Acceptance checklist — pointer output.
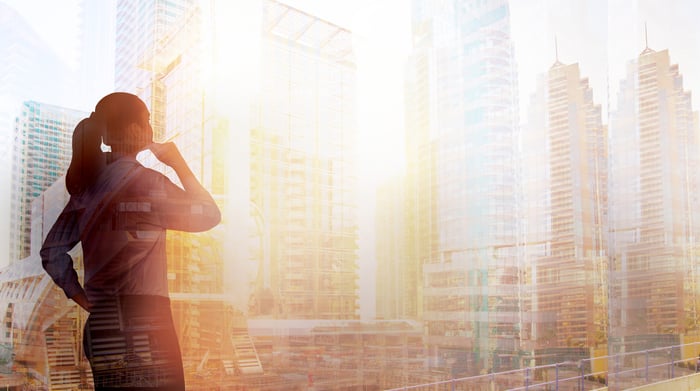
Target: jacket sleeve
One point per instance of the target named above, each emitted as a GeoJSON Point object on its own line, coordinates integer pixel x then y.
{"type": "Point", "coordinates": [182, 210]}
{"type": "Point", "coordinates": [62, 237]}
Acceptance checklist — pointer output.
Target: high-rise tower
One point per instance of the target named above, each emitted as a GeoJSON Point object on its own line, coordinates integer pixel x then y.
{"type": "Point", "coordinates": [461, 182]}
{"type": "Point", "coordinates": [42, 152]}
{"type": "Point", "coordinates": [654, 204]}
{"type": "Point", "coordinates": [568, 301]}
{"type": "Point", "coordinates": [303, 168]}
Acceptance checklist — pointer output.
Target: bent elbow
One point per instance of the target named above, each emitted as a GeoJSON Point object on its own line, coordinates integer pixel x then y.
{"type": "Point", "coordinates": [210, 218]}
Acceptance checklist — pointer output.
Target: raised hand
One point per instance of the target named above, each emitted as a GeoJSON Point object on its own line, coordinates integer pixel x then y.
{"type": "Point", "coordinates": [168, 154]}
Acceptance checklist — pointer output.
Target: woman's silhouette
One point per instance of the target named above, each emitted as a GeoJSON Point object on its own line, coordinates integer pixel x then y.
{"type": "Point", "coordinates": [120, 211]}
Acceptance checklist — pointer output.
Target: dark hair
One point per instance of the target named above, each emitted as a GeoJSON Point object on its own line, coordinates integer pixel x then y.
{"type": "Point", "coordinates": [88, 159]}
{"type": "Point", "coordinates": [110, 123]}
{"type": "Point", "coordinates": [119, 110]}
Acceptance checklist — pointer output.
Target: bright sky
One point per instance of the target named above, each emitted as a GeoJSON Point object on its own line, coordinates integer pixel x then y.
{"type": "Point", "coordinates": [603, 36]}
{"type": "Point", "coordinates": [56, 23]}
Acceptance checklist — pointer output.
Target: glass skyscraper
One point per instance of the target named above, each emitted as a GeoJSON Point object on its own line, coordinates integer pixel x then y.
{"type": "Point", "coordinates": [461, 182]}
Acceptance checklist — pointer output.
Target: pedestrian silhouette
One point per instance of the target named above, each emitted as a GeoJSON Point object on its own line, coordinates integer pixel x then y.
{"type": "Point", "coordinates": [119, 211]}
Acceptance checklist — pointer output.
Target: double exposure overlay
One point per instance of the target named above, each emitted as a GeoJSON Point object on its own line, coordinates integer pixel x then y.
{"type": "Point", "coordinates": [438, 194]}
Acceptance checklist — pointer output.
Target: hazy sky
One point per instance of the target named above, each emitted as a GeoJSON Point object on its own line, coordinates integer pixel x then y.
{"type": "Point", "coordinates": [602, 35]}
{"type": "Point", "coordinates": [55, 21]}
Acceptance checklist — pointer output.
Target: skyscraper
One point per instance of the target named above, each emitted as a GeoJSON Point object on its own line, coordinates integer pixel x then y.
{"type": "Point", "coordinates": [303, 177]}
{"type": "Point", "coordinates": [461, 182]}
{"type": "Point", "coordinates": [568, 297]}
{"type": "Point", "coordinates": [42, 152]}
{"type": "Point", "coordinates": [654, 206]}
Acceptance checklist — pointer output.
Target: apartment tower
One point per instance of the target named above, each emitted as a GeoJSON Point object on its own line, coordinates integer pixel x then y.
{"type": "Point", "coordinates": [568, 302]}
{"type": "Point", "coordinates": [654, 204]}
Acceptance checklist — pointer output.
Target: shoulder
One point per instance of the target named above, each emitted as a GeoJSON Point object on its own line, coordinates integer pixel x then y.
{"type": "Point", "coordinates": [152, 182]}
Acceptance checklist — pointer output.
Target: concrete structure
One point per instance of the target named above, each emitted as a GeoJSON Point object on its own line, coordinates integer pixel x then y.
{"type": "Point", "coordinates": [564, 169]}
{"type": "Point", "coordinates": [461, 187]}
{"type": "Point", "coordinates": [42, 152]}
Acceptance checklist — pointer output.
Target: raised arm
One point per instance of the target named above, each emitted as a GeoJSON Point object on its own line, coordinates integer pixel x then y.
{"type": "Point", "coordinates": [192, 210]}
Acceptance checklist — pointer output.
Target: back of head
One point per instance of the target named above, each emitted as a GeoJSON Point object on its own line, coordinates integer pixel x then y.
{"type": "Point", "coordinates": [118, 111]}
{"type": "Point", "coordinates": [120, 120]}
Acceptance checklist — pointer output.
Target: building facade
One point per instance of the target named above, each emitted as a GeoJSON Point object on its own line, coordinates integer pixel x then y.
{"type": "Point", "coordinates": [303, 181]}
{"type": "Point", "coordinates": [462, 183]}
{"type": "Point", "coordinates": [654, 207]}
{"type": "Point", "coordinates": [42, 152]}
{"type": "Point", "coordinates": [566, 172]}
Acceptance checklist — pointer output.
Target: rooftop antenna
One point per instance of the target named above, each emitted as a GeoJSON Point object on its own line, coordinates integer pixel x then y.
{"type": "Point", "coordinates": [556, 52]}
{"type": "Point", "coordinates": [646, 41]}
{"type": "Point", "coordinates": [646, 37]}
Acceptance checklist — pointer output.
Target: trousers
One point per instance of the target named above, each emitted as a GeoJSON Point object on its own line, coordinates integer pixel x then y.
{"type": "Point", "coordinates": [131, 344]}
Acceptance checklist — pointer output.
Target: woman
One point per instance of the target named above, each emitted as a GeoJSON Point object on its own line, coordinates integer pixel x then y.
{"type": "Point", "coordinates": [119, 211]}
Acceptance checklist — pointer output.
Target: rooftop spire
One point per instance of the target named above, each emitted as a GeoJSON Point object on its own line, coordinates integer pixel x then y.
{"type": "Point", "coordinates": [646, 41]}
{"type": "Point", "coordinates": [646, 36]}
{"type": "Point", "coordinates": [556, 53]}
